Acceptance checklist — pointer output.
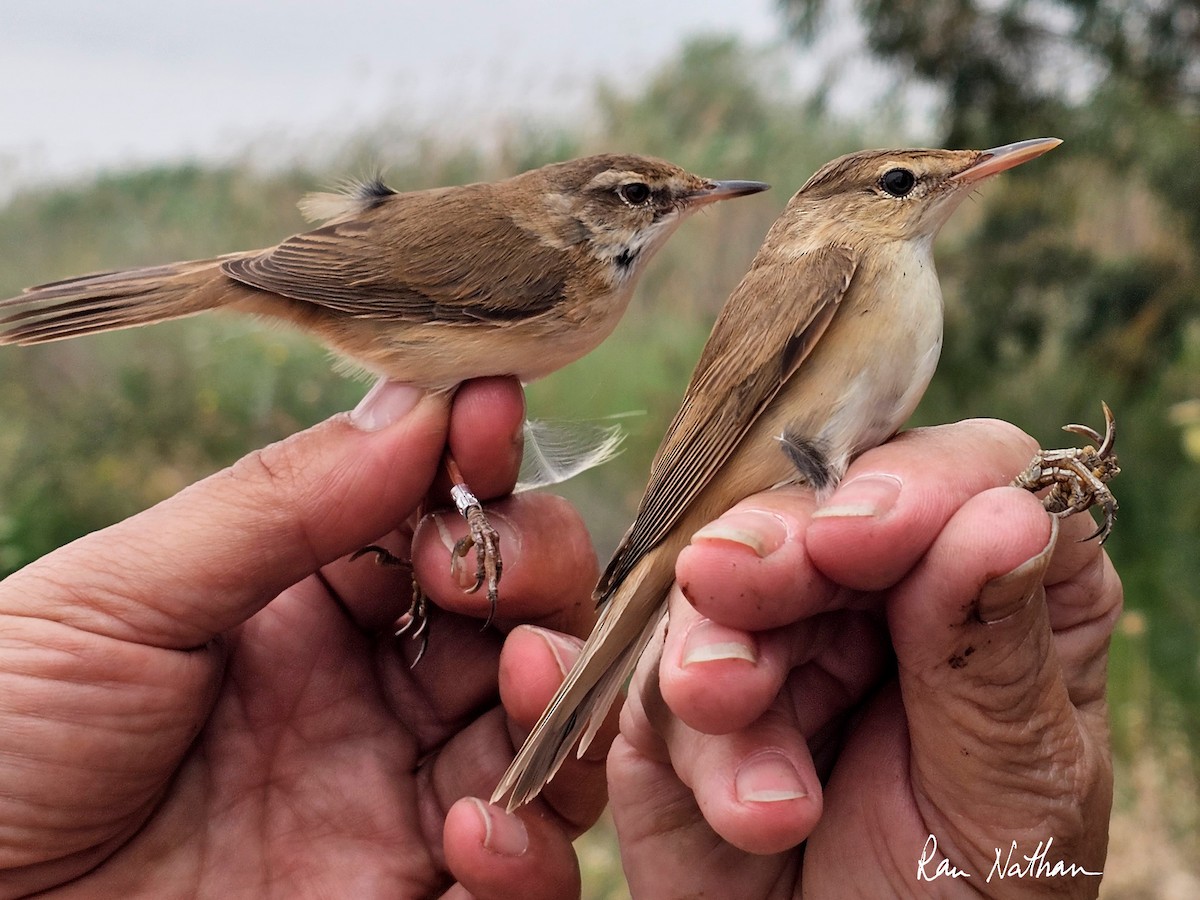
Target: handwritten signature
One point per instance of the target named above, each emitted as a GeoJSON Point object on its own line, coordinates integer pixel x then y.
{"type": "Point", "coordinates": [1010, 864]}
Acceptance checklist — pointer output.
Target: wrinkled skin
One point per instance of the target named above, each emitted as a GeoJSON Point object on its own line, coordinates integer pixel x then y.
{"type": "Point", "coordinates": [206, 700]}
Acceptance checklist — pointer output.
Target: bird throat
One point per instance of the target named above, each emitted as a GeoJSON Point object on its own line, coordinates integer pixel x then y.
{"type": "Point", "coordinates": [625, 259]}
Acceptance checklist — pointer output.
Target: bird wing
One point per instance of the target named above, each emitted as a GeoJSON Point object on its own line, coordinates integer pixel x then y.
{"type": "Point", "coordinates": [451, 255]}
{"type": "Point", "coordinates": [754, 348]}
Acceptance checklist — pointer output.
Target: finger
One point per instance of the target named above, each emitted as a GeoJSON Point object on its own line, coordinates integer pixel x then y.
{"type": "Point", "coordinates": [550, 565]}
{"type": "Point", "coordinates": [756, 788]}
{"type": "Point", "coordinates": [718, 679]}
{"type": "Point", "coordinates": [496, 855]}
{"type": "Point", "coordinates": [485, 438]}
{"type": "Point", "coordinates": [896, 498]}
{"type": "Point", "coordinates": [490, 852]}
{"type": "Point", "coordinates": [208, 558]}
{"type": "Point", "coordinates": [667, 848]}
{"type": "Point", "coordinates": [750, 569]}
{"type": "Point", "coordinates": [773, 557]}
{"type": "Point", "coordinates": [989, 715]}
{"type": "Point", "coordinates": [485, 435]}
{"type": "Point", "coordinates": [533, 665]}
{"type": "Point", "coordinates": [552, 568]}
{"type": "Point", "coordinates": [1083, 610]}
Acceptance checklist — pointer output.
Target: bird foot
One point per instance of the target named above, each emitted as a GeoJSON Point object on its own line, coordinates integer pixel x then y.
{"type": "Point", "coordinates": [414, 622]}
{"type": "Point", "coordinates": [1078, 476]}
{"type": "Point", "coordinates": [486, 542]}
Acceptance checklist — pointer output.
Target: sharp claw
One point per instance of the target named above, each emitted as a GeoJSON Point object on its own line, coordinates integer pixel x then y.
{"type": "Point", "coordinates": [383, 556]}
{"type": "Point", "coordinates": [418, 623]}
{"type": "Point", "coordinates": [424, 638]}
{"type": "Point", "coordinates": [461, 548]}
{"type": "Point", "coordinates": [419, 633]}
{"type": "Point", "coordinates": [1090, 433]}
{"type": "Point", "coordinates": [1078, 478]}
{"type": "Point", "coordinates": [1110, 432]}
{"type": "Point", "coordinates": [417, 620]}
{"type": "Point", "coordinates": [1101, 529]}
{"type": "Point", "coordinates": [1110, 519]}
{"type": "Point", "coordinates": [488, 562]}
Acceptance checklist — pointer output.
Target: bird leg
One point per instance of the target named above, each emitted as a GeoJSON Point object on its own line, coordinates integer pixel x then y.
{"type": "Point", "coordinates": [481, 535]}
{"type": "Point", "coordinates": [1078, 476]}
{"type": "Point", "coordinates": [415, 621]}
{"type": "Point", "coordinates": [488, 564]}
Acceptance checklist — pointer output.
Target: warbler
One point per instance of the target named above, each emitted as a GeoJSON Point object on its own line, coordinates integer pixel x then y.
{"type": "Point", "coordinates": [433, 287]}
{"type": "Point", "coordinates": [822, 352]}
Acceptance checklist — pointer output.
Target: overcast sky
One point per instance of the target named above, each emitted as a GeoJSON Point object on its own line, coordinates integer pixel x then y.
{"type": "Point", "coordinates": [87, 84]}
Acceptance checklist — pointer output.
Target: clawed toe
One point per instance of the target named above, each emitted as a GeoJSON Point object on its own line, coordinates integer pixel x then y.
{"type": "Point", "coordinates": [1078, 476]}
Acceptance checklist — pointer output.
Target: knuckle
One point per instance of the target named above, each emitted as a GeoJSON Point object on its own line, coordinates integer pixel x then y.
{"type": "Point", "coordinates": [276, 466]}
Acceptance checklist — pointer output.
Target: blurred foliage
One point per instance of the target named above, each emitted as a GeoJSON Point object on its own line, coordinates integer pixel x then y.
{"type": "Point", "coordinates": [1081, 278]}
{"type": "Point", "coordinates": [1074, 281]}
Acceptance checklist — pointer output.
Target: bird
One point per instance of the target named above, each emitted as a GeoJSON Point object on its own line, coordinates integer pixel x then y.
{"type": "Point", "coordinates": [432, 287]}
{"type": "Point", "coordinates": [821, 352]}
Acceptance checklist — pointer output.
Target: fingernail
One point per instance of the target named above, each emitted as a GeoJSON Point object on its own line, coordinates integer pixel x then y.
{"type": "Point", "coordinates": [768, 777]}
{"type": "Point", "coordinates": [564, 649]}
{"type": "Point", "coordinates": [385, 403]}
{"type": "Point", "coordinates": [1007, 594]}
{"type": "Point", "coordinates": [503, 832]}
{"type": "Point", "coordinates": [761, 531]}
{"type": "Point", "coordinates": [867, 496]}
{"type": "Point", "coordinates": [709, 642]}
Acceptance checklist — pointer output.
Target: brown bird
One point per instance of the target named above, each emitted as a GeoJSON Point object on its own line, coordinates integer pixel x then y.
{"type": "Point", "coordinates": [515, 277]}
{"type": "Point", "coordinates": [821, 353]}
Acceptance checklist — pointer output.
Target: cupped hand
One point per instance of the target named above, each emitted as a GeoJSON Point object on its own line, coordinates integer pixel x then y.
{"type": "Point", "coordinates": [208, 699]}
{"type": "Point", "coordinates": [898, 693]}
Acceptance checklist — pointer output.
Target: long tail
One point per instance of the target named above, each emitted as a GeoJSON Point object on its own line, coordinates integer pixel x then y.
{"type": "Point", "coordinates": [584, 698]}
{"type": "Point", "coordinates": [111, 300]}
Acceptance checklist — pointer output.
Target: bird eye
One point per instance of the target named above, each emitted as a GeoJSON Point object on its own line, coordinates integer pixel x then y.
{"type": "Point", "coordinates": [635, 192]}
{"type": "Point", "coordinates": [898, 182]}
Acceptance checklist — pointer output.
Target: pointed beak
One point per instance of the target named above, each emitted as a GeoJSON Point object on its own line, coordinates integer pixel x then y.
{"type": "Point", "coordinates": [996, 160]}
{"type": "Point", "coordinates": [723, 190]}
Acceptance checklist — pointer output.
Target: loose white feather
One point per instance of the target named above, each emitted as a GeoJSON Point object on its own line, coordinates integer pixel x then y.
{"type": "Point", "coordinates": [558, 451]}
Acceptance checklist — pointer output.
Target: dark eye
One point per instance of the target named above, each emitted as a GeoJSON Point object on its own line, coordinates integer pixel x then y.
{"type": "Point", "coordinates": [635, 192]}
{"type": "Point", "coordinates": [898, 182]}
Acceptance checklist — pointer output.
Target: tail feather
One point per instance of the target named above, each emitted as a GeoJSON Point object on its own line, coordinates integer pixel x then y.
{"type": "Point", "coordinates": [583, 700]}
{"type": "Point", "coordinates": [609, 686]}
{"type": "Point", "coordinates": [111, 300]}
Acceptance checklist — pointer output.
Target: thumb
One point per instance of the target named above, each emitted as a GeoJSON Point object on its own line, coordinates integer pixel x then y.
{"type": "Point", "coordinates": [990, 717]}
{"type": "Point", "coordinates": [214, 554]}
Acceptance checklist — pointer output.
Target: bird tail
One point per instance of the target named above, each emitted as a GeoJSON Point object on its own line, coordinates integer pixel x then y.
{"type": "Point", "coordinates": [583, 700]}
{"type": "Point", "coordinates": [109, 300]}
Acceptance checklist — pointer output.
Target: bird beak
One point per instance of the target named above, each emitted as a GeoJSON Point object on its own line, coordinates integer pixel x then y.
{"type": "Point", "coordinates": [990, 162]}
{"type": "Point", "coordinates": [723, 190]}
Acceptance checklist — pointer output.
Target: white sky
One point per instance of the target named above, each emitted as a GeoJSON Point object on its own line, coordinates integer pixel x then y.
{"type": "Point", "coordinates": [101, 83]}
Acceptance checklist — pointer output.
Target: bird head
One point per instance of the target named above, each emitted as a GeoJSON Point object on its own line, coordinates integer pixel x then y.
{"type": "Point", "coordinates": [622, 208]}
{"type": "Point", "coordinates": [899, 194]}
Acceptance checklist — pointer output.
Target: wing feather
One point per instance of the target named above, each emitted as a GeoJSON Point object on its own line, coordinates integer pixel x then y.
{"type": "Point", "coordinates": [391, 261]}
{"type": "Point", "coordinates": [744, 364]}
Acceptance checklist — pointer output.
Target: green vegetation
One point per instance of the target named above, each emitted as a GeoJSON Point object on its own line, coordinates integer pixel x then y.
{"type": "Point", "coordinates": [1074, 281]}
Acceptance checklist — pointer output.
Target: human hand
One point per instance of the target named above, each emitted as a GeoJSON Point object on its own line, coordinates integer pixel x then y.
{"type": "Point", "coordinates": [207, 699]}
{"type": "Point", "coordinates": [863, 681]}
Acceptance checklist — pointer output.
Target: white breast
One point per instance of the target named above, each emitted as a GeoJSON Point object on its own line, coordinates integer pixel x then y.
{"type": "Point", "coordinates": [856, 388]}
{"type": "Point", "coordinates": [880, 351]}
